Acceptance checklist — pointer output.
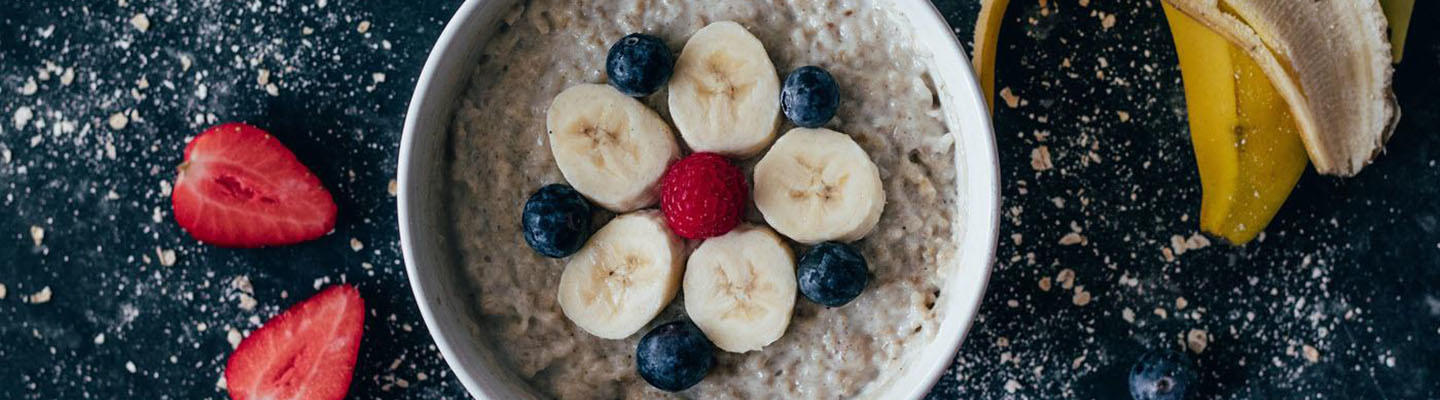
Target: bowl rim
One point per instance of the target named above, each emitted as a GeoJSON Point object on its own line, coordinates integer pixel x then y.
{"type": "Point", "coordinates": [423, 89]}
{"type": "Point", "coordinates": [979, 147]}
{"type": "Point", "coordinates": [984, 219]}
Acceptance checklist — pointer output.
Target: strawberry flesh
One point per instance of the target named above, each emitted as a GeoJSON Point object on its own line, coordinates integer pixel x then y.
{"type": "Point", "coordinates": [240, 187]}
{"type": "Point", "coordinates": [307, 352]}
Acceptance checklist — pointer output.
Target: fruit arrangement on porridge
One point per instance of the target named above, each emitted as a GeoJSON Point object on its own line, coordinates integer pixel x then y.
{"type": "Point", "coordinates": [815, 186]}
{"type": "Point", "coordinates": [698, 226]}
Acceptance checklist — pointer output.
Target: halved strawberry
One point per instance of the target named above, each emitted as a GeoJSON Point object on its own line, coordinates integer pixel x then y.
{"type": "Point", "coordinates": [240, 187]}
{"type": "Point", "coordinates": [305, 353]}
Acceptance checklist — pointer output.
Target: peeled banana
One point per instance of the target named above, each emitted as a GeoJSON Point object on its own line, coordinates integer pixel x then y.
{"type": "Point", "coordinates": [1329, 60]}
{"type": "Point", "coordinates": [1247, 144]}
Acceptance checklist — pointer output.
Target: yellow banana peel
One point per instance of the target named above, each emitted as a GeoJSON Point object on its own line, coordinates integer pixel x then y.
{"type": "Point", "coordinates": [987, 35]}
{"type": "Point", "coordinates": [1247, 145]}
{"type": "Point", "coordinates": [1398, 13]}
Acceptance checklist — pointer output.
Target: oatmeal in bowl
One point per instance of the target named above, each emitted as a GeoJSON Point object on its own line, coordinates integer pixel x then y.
{"type": "Point", "coordinates": [636, 199]}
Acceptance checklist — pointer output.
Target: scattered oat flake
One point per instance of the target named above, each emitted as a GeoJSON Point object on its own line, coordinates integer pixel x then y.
{"type": "Point", "coordinates": [68, 77]}
{"type": "Point", "coordinates": [1040, 158]}
{"type": "Point", "coordinates": [22, 117]}
{"type": "Point", "coordinates": [100, 338]}
{"type": "Point", "coordinates": [1311, 354]}
{"type": "Point", "coordinates": [1012, 386]}
{"type": "Point", "coordinates": [378, 77]}
{"type": "Point", "coordinates": [263, 77]}
{"type": "Point", "coordinates": [37, 234]}
{"type": "Point", "coordinates": [1011, 100]}
{"type": "Point", "coordinates": [130, 366]}
{"type": "Point", "coordinates": [1128, 315]}
{"type": "Point", "coordinates": [356, 245]}
{"type": "Point", "coordinates": [247, 303]}
{"type": "Point", "coordinates": [1124, 116]}
{"type": "Point", "coordinates": [1161, 313]}
{"type": "Point", "coordinates": [30, 87]}
{"type": "Point", "coordinates": [1197, 339]}
{"type": "Point", "coordinates": [1071, 238]}
{"type": "Point", "coordinates": [1066, 277]}
{"type": "Point", "coordinates": [42, 296]}
{"type": "Point", "coordinates": [166, 256]}
{"type": "Point", "coordinates": [363, 27]}
{"type": "Point", "coordinates": [1177, 244]}
{"type": "Point", "coordinates": [1045, 283]}
{"type": "Point", "coordinates": [393, 188]}
{"type": "Point", "coordinates": [2, 291]}
{"type": "Point", "coordinates": [1181, 303]}
{"type": "Point", "coordinates": [272, 90]}
{"type": "Point", "coordinates": [118, 121]}
{"type": "Point", "coordinates": [1108, 21]}
{"type": "Point", "coordinates": [1169, 254]}
{"type": "Point", "coordinates": [1081, 297]}
{"type": "Point", "coordinates": [242, 283]}
{"type": "Point", "coordinates": [140, 21]}
{"type": "Point", "coordinates": [233, 336]}
{"type": "Point", "coordinates": [1197, 241]}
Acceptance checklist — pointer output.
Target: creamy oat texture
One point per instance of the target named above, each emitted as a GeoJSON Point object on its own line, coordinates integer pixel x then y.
{"type": "Point", "coordinates": [888, 105]}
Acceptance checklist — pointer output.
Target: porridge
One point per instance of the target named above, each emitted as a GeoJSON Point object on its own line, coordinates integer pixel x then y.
{"type": "Point", "coordinates": [500, 154]}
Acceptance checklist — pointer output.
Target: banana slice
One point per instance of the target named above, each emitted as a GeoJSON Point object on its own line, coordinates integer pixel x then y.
{"type": "Point", "coordinates": [1330, 60]}
{"type": "Point", "coordinates": [740, 288]}
{"type": "Point", "coordinates": [623, 277]}
{"type": "Point", "coordinates": [725, 95]}
{"type": "Point", "coordinates": [817, 185]}
{"type": "Point", "coordinates": [609, 146]}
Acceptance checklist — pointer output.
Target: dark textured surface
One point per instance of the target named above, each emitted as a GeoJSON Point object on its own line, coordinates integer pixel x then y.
{"type": "Point", "coordinates": [1348, 268]}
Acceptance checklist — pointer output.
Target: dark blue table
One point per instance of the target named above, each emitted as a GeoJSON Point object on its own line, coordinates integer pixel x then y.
{"type": "Point", "coordinates": [1341, 299]}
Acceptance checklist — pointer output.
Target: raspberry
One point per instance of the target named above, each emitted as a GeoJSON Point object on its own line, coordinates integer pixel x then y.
{"type": "Point", "coordinates": [703, 196]}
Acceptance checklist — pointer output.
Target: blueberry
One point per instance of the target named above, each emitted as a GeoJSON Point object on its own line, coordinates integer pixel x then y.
{"type": "Point", "coordinates": [1160, 375]}
{"type": "Point", "coordinates": [639, 64]}
{"type": "Point", "coordinates": [674, 356]}
{"type": "Point", "coordinates": [809, 96]}
{"type": "Point", "coordinates": [832, 274]}
{"type": "Point", "coordinates": [556, 221]}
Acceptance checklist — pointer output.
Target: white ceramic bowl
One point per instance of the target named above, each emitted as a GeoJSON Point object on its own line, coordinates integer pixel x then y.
{"type": "Point", "coordinates": [440, 289]}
